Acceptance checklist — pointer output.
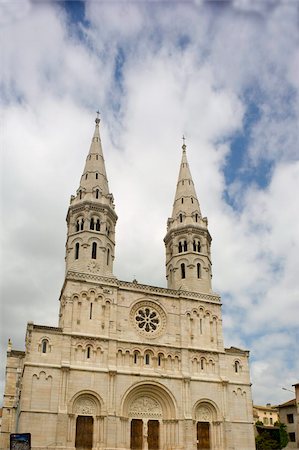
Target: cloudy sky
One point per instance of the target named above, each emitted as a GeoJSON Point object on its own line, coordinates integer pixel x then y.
{"type": "Point", "coordinates": [225, 74]}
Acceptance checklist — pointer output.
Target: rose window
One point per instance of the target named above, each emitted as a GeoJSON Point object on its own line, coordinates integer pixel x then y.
{"type": "Point", "coordinates": [147, 319]}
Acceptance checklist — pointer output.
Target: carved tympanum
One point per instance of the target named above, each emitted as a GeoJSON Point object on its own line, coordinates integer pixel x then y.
{"type": "Point", "coordinates": [85, 406]}
{"type": "Point", "coordinates": [145, 407]}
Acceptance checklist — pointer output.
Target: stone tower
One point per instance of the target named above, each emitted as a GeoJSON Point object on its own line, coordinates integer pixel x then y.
{"type": "Point", "coordinates": [91, 217]}
{"type": "Point", "coordinates": [188, 241]}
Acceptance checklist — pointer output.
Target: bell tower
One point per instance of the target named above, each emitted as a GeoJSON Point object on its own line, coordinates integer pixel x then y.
{"type": "Point", "coordinates": [91, 217]}
{"type": "Point", "coordinates": [188, 241]}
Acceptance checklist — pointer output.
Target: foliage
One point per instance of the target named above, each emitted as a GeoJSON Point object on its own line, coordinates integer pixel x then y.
{"type": "Point", "coordinates": [271, 439]}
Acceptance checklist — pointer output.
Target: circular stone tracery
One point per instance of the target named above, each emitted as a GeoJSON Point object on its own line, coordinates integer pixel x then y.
{"type": "Point", "coordinates": [148, 318]}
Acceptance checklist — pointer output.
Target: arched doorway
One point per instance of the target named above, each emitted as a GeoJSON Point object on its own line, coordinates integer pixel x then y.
{"type": "Point", "coordinates": [207, 430]}
{"type": "Point", "coordinates": [151, 415]}
{"type": "Point", "coordinates": [146, 415]}
{"type": "Point", "coordinates": [85, 421]}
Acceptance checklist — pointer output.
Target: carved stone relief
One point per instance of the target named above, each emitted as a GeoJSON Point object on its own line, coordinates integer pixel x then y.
{"type": "Point", "coordinates": [85, 406]}
{"type": "Point", "coordinates": [203, 414]}
{"type": "Point", "coordinates": [145, 407]}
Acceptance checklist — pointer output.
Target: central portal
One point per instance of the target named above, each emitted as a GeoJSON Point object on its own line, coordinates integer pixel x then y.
{"type": "Point", "coordinates": [203, 436]}
{"type": "Point", "coordinates": [145, 434]}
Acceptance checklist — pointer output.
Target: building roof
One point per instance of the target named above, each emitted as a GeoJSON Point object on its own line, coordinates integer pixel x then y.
{"type": "Point", "coordinates": [288, 403]}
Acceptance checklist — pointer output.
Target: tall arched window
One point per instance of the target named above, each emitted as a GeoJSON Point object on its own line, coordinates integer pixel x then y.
{"type": "Point", "coordinates": [77, 225]}
{"type": "Point", "coordinates": [185, 246]}
{"type": "Point", "coordinates": [77, 247]}
{"type": "Point", "coordinates": [194, 246]}
{"type": "Point", "coordinates": [80, 194]}
{"type": "Point", "coordinates": [180, 247]}
{"type": "Point", "coordinates": [183, 271]}
{"type": "Point", "coordinates": [198, 246]}
{"type": "Point", "coordinates": [97, 175]}
{"type": "Point", "coordinates": [97, 193]}
{"type": "Point", "coordinates": [196, 217]}
{"type": "Point", "coordinates": [44, 345]}
{"type": "Point", "coordinates": [98, 225]}
{"type": "Point", "coordinates": [88, 353]}
{"type": "Point", "coordinates": [92, 223]}
{"type": "Point", "coordinates": [82, 224]}
{"type": "Point", "coordinates": [108, 256]}
{"type": "Point", "coordinates": [94, 250]}
{"type": "Point", "coordinates": [147, 359]}
{"type": "Point", "coordinates": [198, 268]}
{"type": "Point", "coordinates": [181, 217]}
{"type": "Point", "coordinates": [237, 367]}
{"type": "Point", "coordinates": [136, 356]}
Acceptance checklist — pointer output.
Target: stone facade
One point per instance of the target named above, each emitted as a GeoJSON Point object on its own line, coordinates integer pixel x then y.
{"type": "Point", "coordinates": [131, 366]}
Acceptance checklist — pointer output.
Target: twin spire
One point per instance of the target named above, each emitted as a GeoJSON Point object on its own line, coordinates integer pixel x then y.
{"type": "Point", "coordinates": [91, 227]}
{"type": "Point", "coordinates": [185, 201]}
{"type": "Point", "coordinates": [94, 174]}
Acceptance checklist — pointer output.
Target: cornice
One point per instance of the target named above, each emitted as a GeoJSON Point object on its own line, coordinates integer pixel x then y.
{"type": "Point", "coordinates": [134, 286]}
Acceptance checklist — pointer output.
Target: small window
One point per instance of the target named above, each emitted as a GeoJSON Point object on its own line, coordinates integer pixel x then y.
{"type": "Point", "coordinates": [196, 217]}
{"type": "Point", "coordinates": [180, 247]}
{"type": "Point", "coordinates": [44, 346]}
{"type": "Point", "coordinates": [198, 268]}
{"type": "Point", "coordinates": [181, 217]}
{"type": "Point", "coordinates": [97, 175]}
{"type": "Point", "coordinates": [185, 246]}
{"type": "Point", "coordinates": [108, 230]}
{"type": "Point", "coordinates": [182, 200]}
{"type": "Point", "coordinates": [194, 246]}
{"type": "Point", "coordinates": [97, 156]}
{"type": "Point", "coordinates": [82, 224]}
{"type": "Point", "coordinates": [191, 200]}
{"type": "Point", "coordinates": [90, 311]}
{"type": "Point", "coordinates": [98, 225]}
{"type": "Point", "coordinates": [183, 271]}
{"type": "Point", "coordinates": [198, 246]}
{"type": "Point", "coordinates": [77, 247]}
{"type": "Point", "coordinates": [97, 193]}
{"type": "Point", "coordinates": [80, 195]}
{"type": "Point", "coordinates": [200, 326]}
{"type": "Point", "coordinates": [94, 250]}
{"type": "Point", "coordinates": [88, 353]}
{"type": "Point", "coordinates": [159, 360]}
{"type": "Point", "coordinates": [292, 437]}
{"type": "Point", "coordinates": [202, 364]}
{"type": "Point", "coordinates": [265, 420]}
{"type": "Point", "coordinates": [135, 357]}
{"type": "Point", "coordinates": [77, 225]}
{"type": "Point", "coordinates": [271, 421]}
{"type": "Point", "coordinates": [86, 176]}
{"type": "Point", "coordinates": [290, 418]}
{"type": "Point", "coordinates": [108, 256]}
{"type": "Point", "coordinates": [92, 223]}
{"type": "Point", "coordinates": [237, 367]}
{"type": "Point", "coordinates": [147, 359]}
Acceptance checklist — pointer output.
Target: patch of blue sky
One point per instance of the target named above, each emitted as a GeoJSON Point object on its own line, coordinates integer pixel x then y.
{"type": "Point", "coordinates": [238, 168]}
{"type": "Point", "coordinates": [75, 11]}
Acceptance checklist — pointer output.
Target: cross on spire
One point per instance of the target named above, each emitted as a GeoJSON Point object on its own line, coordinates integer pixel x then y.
{"type": "Point", "coordinates": [97, 121]}
{"type": "Point", "coordinates": [184, 139]}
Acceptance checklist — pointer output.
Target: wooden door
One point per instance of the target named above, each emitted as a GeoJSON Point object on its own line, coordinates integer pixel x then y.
{"type": "Point", "coordinates": [136, 434]}
{"type": "Point", "coordinates": [203, 435]}
{"type": "Point", "coordinates": [153, 434]}
{"type": "Point", "coordinates": [84, 432]}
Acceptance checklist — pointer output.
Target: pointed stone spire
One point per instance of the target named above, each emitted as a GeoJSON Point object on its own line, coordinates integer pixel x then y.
{"type": "Point", "coordinates": [187, 242]}
{"type": "Point", "coordinates": [91, 217]}
{"type": "Point", "coordinates": [94, 174]}
{"type": "Point", "coordinates": [185, 201]}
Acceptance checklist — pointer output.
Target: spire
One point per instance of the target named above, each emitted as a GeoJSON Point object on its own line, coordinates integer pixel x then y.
{"type": "Point", "coordinates": [94, 175]}
{"type": "Point", "coordinates": [185, 201]}
{"type": "Point", "coordinates": [187, 241]}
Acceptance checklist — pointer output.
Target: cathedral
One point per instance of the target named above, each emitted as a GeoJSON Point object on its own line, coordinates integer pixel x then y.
{"type": "Point", "coordinates": [130, 366]}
